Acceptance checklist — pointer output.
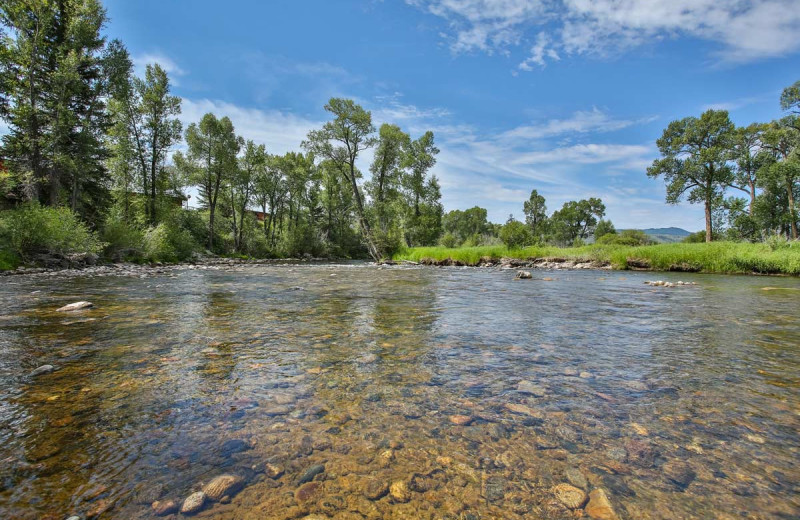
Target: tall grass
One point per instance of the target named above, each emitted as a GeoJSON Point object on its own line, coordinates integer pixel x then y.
{"type": "Point", "coordinates": [716, 257]}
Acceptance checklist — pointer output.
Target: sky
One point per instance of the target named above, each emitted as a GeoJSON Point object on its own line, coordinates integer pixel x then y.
{"type": "Point", "coordinates": [563, 96]}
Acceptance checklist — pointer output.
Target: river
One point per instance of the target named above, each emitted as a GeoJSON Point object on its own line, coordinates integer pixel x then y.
{"type": "Point", "coordinates": [400, 392]}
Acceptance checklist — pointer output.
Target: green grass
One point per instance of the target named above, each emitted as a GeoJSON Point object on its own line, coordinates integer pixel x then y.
{"type": "Point", "coordinates": [717, 257]}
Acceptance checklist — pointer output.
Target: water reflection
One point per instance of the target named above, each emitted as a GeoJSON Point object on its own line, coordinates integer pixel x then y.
{"type": "Point", "coordinates": [403, 393]}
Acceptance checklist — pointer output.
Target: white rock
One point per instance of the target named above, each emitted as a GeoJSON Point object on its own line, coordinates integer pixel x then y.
{"type": "Point", "coordinates": [193, 503]}
{"type": "Point", "coordinates": [75, 306]}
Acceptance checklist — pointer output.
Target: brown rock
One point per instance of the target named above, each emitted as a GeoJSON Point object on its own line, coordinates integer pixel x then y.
{"type": "Point", "coordinates": [570, 496]}
{"type": "Point", "coordinates": [461, 420]}
{"type": "Point", "coordinates": [307, 492]}
{"type": "Point", "coordinates": [193, 503]}
{"type": "Point", "coordinates": [375, 489]}
{"type": "Point", "coordinates": [599, 507]}
{"type": "Point", "coordinates": [223, 485]}
{"type": "Point", "coordinates": [273, 471]}
{"type": "Point", "coordinates": [400, 492]}
{"type": "Point", "coordinates": [164, 507]}
{"type": "Point", "coordinates": [100, 507]}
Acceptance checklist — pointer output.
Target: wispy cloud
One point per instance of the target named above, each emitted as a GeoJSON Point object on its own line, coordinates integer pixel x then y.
{"type": "Point", "coordinates": [168, 64]}
{"type": "Point", "coordinates": [744, 30]}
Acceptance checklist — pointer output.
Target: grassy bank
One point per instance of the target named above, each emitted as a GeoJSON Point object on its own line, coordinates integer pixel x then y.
{"type": "Point", "coordinates": [717, 257]}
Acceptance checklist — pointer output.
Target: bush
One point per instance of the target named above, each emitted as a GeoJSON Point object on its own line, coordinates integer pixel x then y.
{"type": "Point", "coordinates": [33, 230]}
{"type": "Point", "coordinates": [515, 234]}
{"type": "Point", "coordinates": [168, 242]}
{"type": "Point", "coordinates": [123, 242]}
{"type": "Point", "coordinates": [629, 237]}
{"type": "Point", "coordinates": [448, 240]}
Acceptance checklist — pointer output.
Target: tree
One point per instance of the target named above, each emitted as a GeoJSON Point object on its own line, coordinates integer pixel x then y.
{"type": "Point", "coordinates": [210, 161]}
{"type": "Point", "coordinates": [241, 186]}
{"type": "Point", "coordinates": [469, 224]}
{"type": "Point", "coordinates": [695, 159]}
{"type": "Point", "coordinates": [603, 228]}
{"type": "Point", "coordinates": [341, 141]}
{"type": "Point", "coordinates": [576, 220]}
{"type": "Point", "coordinates": [536, 214]}
{"type": "Point", "coordinates": [515, 234]}
{"type": "Point", "coordinates": [783, 141]}
{"type": "Point", "coordinates": [420, 157]}
{"type": "Point", "coordinates": [747, 145]}
{"type": "Point", "coordinates": [387, 172]}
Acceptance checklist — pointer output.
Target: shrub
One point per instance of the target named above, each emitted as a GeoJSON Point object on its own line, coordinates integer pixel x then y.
{"type": "Point", "coordinates": [33, 229]}
{"type": "Point", "coordinates": [515, 234]}
{"type": "Point", "coordinates": [448, 240]}
{"type": "Point", "coordinates": [168, 242]}
{"type": "Point", "coordinates": [628, 237]}
{"type": "Point", "coordinates": [123, 241]}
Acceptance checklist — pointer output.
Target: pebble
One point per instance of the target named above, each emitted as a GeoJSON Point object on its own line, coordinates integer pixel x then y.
{"type": "Point", "coordinates": [599, 507]}
{"type": "Point", "coordinates": [193, 503]}
{"type": "Point", "coordinates": [310, 473]}
{"type": "Point", "coordinates": [44, 369]}
{"type": "Point", "coordinates": [307, 492]}
{"type": "Point", "coordinates": [678, 473]}
{"type": "Point", "coordinates": [585, 375]}
{"type": "Point", "coordinates": [525, 410]}
{"type": "Point", "coordinates": [74, 306]}
{"type": "Point", "coordinates": [526, 387]}
{"type": "Point", "coordinates": [273, 471]}
{"type": "Point", "coordinates": [164, 507]}
{"type": "Point", "coordinates": [375, 489]}
{"type": "Point", "coordinates": [461, 420]}
{"type": "Point", "coordinates": [222, 486]}
{"type": "Point", "coordinates": [576, 478]}
{"type": "Point", "coordinates": [100, 507]}
{"type": "Point", "coordinates": [639, 429]}
{"type": "Point", "coordinates": [570, 496]}
{"type": "Point", "coordinates": [400, 492]}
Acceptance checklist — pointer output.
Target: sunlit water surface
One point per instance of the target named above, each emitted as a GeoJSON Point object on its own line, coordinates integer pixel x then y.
{"type": "Point", "coordinates": [678, 402]}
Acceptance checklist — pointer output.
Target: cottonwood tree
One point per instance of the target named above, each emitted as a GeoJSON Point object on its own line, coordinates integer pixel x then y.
{"type": "Point", "coordinates": [241, 187]}
{"type": "Point", "coordinates": [535, 211]}
{"type": "Point", "coordinates": [422, 192]}
{"type": "Point", "coordinates": [341, 141]}
{"type": "Point", "coordinates": [783, 141]}
{"type": "Point", "coordinates": [695, 160]}
{"type": "Point", "coordinates": [210, 161]}
{"type": "Point", "coordinates": [576, 220]}
{"type": "Point", "coordinates": [747, 145]}
{"type": "Point", "coordinates": [387, 174]}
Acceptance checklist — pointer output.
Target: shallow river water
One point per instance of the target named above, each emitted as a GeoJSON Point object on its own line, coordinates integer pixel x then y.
{"type": "Point", "coordinates": [351, 391]}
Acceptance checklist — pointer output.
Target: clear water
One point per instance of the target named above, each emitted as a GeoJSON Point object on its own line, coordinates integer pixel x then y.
{"type": "Point", "coordinates": [678, 402]}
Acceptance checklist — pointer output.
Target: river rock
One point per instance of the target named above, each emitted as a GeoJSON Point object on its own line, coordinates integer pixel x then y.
{"type": "Point", "coordinates": [273, 471]}
{"type": "Point", "coordinates": [309, 474]}
{"type": "Point", "coordinates": [576, 478]}
{"type": "Point", "coordinates": [44, 369]}
{"type": "Point", "coordinates": [100, 507]}
{"type": "Point", "coordinates": [193, 503]}
{"type": "Point", "coordinates": [164, 507]}
{"type": "Point", "coordinates": [400, 492]}
{"type": "Point", "coordinates": [75, 306]}
{"type": "Point", "coordinates": [375, 489]}
{"type": "Point", "coordinates": [307, 492]}
{"type": "Point", "coordinates": [461, 420]}
{"type": "Point", "coordinates": [570, 496]}
{"type": "Point", "coordinates": [222, 486]}
{"type": "Point", "coordinates": [524, 275]}
{"type": "Point", "coordinates": [526, 387]}
{"type": "Point", "coordinates": [599, 507]}
{"type": "Point", "coordinates": [678, 473]}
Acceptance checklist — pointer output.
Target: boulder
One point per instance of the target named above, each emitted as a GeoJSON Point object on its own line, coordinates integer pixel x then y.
{"type": "Point", "coordinates": [599, 507]}
{"type": "Point", "coordinates": [222, 486]}
{"type": "Point", "coordinates": [570, 496]}
{"type": "Point", "coordinates": [523, 275]}
{"type": "Point", "coordinates": [44, 369]}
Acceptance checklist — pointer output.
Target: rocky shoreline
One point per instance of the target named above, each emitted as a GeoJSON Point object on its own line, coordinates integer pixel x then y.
{"type": "Point", "coordinates": [517, 263]}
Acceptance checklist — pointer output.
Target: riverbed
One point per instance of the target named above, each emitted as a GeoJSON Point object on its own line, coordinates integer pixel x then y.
{"type": "Point", "coordinates": [354, 391]}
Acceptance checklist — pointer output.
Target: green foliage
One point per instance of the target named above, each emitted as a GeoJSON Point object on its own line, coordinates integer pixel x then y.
{"type": "Point", "coordinates": [168, 242]}
{"type": "Point", "coordinates": [576, 220]}
{"type": "Point", "coordinates": [628, 237]}
{"type": "Point", "coordinates": [515, 234]}
{"type": "Point", "coordinates": [449, 240]}
{"type": "Point", "coordinates": [604, 227]}
{"type": "Point", "coordinates": [33, 229]}
{"type": "Point", "coordinates": [123, 242]}
{"type": "Point", "coordinates": [467, 225]}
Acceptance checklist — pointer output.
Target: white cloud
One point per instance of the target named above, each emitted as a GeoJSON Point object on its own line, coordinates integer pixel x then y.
{"type": "Point", "coordinates": [279, 131]}
{"type": "Point", "coordinates": [745, 30]}
{"type": "Point", "coordinates": [580, 122]}
{"type": "Point", "coordinates": [168, 64]}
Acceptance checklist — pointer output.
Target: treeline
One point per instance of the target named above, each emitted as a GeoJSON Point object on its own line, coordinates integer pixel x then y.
{"type": "Point", "coordinates": [90, 164]}
{"type": "Point", "coordinates": [703, 158]}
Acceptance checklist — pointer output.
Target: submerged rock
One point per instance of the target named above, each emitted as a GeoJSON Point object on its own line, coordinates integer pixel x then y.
{"type": "Point", "coordinates": [310, 473]}
{"type": "Point", "coordinates": [570, 496]}
{"type": "Point", "coordinates": [75, 306]}
{"type": "Point", "coordinates": [679, 473]}
{"type": "Point", "coordinates": [576, 478]}
{"type": "Point", "coordinates": [599, 507]}
{"type": "Point", "coordinates": [523, 275]}
{"type": "Point", "coordinates": [44, 369]}
{"type": "Point", "coordinates": [375, 489]}
{"type": "Point", "coordinates": [461, 420]}
{"type": "Point", "coordinates": [222, 486]}
{"type": "Point", "coordinates": [164, 507]}
{"type": "Point", "coordinates": [307, 492]}
{"type": "Point", "coordinates": [400, 492]}
{"type": "Point", "coordinates": [526, 387]}
{"type": "Point", "coordinates": [193, 503]}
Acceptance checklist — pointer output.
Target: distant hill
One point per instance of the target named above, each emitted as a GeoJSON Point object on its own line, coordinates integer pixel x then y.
{"type": "Point", "coordinates": [670, 234]}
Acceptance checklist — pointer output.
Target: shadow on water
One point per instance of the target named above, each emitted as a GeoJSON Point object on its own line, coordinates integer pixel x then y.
{"type": "Point", "coordinates": [469, 394]}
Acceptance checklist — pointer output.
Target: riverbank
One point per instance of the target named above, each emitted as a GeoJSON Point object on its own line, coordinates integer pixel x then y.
{"type": "Point", "coordinates": [716, 257]}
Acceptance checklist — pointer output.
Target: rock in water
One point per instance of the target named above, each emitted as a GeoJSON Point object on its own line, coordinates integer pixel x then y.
{"type": "Point", "coordinates": [222, 486]}
{"type": "Point", "coordinates": [308, 492]}
{"type": "Point", "coordinates": [399, 491]}
{"type": "Point", "coordinates": [570, 496]}
{"type": "Point", "coordinates": [679, 474]}
{"type": "Point", "coordinates": [526, 387]}
{"type": "Point", "coordinates": [44, 369]}
{"type": "Point", "coordinates": [524, 275]}
{"type": "Point", "coordinates": [193, 503]}
{"type": "Point", "coordinates": [74, 306]}
{"type": "Point", "coordinates": [164, 507]}
{"type": "Point", "coordinates": [599, 507]}
{"type": "Point", "coordinates": [375, 489]}
{"type": "Point", "coordinates": [461, 420]}
{"type": "Point", "coordinates": [310, 473]}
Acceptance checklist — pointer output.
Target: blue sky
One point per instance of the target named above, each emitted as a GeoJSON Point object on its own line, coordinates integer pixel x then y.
{"type": "Point", "coordinates": [564, 96]}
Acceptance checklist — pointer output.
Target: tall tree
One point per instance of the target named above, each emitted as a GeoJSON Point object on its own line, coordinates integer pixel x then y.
{"type": "Point", "coordinates": [387, 172]}
{"type": "Point", "coordinates": [695, 159]}
{"type": "Point", "coordinates": [241, 187]}
{"type": "Point", "coordinates": [783, 141]}
{"type": "Point", "coordinates": [341, 141]}
{"type": "Point", "coordinates": [535, 211]}
{"type": "Point", "coordinates": [210, 161]}
{"type": "Point", "coordinates": [577, 219]}
{"type": "Point", "coordinates": [746, 147]}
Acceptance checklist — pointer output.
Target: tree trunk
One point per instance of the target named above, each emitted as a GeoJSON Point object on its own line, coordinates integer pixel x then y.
{"type": "Point", "coordinates": [362, 219]}
{"type": "Point", "coordinates": [709, 235]}
{"type": "Point", "coordinates": [752, 196]}
{"type": "Point", "coordinates": [792, 212]}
